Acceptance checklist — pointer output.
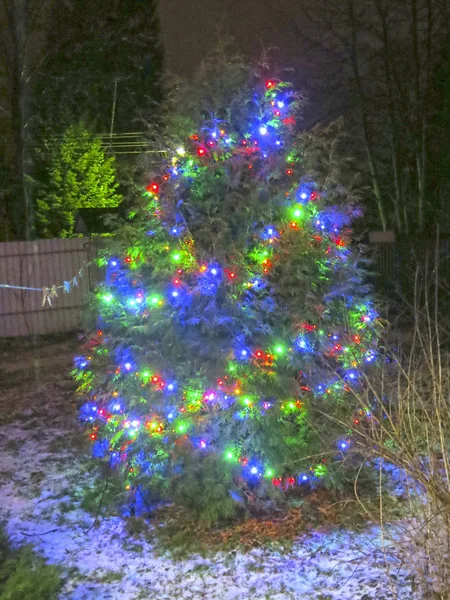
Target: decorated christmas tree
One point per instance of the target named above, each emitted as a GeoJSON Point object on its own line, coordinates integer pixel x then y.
{"type": "Point", "coordinates": [233, 319]}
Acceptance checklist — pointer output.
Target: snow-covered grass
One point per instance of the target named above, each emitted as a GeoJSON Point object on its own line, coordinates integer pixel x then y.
{"type": "Point", "coordinates": [44, 467]}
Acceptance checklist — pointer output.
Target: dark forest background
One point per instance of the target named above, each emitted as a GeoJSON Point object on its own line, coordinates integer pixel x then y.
{"type": "Point", "coordinates": [375, 73]}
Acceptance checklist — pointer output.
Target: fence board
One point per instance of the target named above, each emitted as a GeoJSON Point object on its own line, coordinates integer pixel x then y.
{"type": "Point", "coordinates": [37, 264]}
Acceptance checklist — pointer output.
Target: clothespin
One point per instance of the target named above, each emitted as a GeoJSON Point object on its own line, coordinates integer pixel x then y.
{"type": "Point", "coordinates": [48, 294]}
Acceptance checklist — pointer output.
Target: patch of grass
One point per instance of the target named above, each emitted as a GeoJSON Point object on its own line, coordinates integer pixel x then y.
{"type": "Point", "coordinates": [13, 446]}
{"type": "Point", "coordinates": [6, 476]}
{"type": "Point", "coordinates": [37, 477]}
{"type": "Point", "coordinates": [24, 575]}
{"type": "Point", "coordinates": [110, 576]}
{"type": "Point", "coordinates": [32, 423]}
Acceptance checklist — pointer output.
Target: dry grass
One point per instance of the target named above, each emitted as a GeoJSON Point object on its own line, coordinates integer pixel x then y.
{"type": "Point", "coordinates": [409, 427]}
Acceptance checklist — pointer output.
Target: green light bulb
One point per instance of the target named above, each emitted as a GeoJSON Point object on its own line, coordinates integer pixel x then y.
{"type": "Point", "coordinates": [320, 471]}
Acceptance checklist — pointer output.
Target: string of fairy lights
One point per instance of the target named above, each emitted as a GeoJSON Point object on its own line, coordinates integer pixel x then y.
{"type": "Point", "coordinates": [172, 410]}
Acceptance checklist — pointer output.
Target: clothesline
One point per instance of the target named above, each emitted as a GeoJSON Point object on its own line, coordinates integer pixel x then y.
{"type": "Point", "coordinates": [49, 292]}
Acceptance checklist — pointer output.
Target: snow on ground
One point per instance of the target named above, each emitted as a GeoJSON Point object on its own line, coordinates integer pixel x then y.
{"type": "Point", "coordinates": [41, 466]}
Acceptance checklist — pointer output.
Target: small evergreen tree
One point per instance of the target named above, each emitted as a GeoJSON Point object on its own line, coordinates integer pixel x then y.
{"type": "Point", "coordinates": [79, 175]}
{"type": "Point", "coordinates": [233, 314]}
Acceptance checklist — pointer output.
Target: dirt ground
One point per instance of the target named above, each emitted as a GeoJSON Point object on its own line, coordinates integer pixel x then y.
{"type": "Point", "coordinates": [35, 375]}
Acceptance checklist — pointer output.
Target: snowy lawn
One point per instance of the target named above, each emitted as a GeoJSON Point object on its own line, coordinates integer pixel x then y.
{"type": "Point", "coordinates": [44, 467]}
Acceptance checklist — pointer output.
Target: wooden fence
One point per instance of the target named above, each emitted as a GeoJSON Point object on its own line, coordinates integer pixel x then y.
{"type": "Point", "coordinates": [39, 264]}
{"type": "Point", "coordinates": [403, 267]}
{"type": "Point", "coordinates": [44, 263]}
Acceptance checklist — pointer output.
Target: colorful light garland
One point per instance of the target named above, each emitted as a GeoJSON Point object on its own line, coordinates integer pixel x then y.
{"type": "Point", "coordinates": [137, 408]}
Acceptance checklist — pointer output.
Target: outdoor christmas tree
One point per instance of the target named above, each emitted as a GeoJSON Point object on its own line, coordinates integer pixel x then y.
{"type": "Point", "coordinates": [233, 319]}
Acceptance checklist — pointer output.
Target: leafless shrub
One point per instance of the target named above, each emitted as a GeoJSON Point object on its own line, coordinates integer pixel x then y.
{"type": "Point", "coordinates": [406, 427]}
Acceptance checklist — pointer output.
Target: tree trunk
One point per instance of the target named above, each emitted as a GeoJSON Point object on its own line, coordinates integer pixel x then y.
{"type": "Point", "coordinates": [365, 121]}
{"type": "Point", "coordinates": [22, 216]}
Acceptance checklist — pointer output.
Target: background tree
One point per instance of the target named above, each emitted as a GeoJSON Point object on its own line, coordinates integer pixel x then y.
{"type": "Point", "coordinates": [80, 175]}
{"type": "Point", "coordinates": [104, 64]}
{"type": "Point", "coordinates": [382, 64]}
{"type": "Point", "coordinates": [66, 61]}
{"type": "Point", "coordinates": [233, 314]}
{"type": "Point", "coordinates": [22, 28]}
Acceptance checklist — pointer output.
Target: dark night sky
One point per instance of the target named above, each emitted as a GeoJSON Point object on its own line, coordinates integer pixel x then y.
{"type": "Point", "coordinates": [189, 28]}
